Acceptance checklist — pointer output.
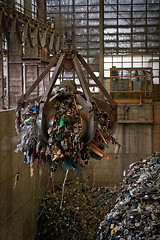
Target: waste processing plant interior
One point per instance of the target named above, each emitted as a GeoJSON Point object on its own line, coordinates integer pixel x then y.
{"type": "Point", "coordinates": [80, 119]}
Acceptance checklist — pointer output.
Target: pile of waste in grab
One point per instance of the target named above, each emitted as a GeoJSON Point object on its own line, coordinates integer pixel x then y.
{"type": "Point", "coordinates": [64, 143]}
{"type": "Point", "coordinates": [136, 213]}
{"type": "Point", "coordinates": [83, 210]}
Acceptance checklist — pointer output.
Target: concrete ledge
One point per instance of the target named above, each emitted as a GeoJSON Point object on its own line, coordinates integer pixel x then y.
{"type": "Point", "coordinates": [133, 121]}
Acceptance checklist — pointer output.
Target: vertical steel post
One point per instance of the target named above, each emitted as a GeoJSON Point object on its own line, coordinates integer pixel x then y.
{"type": "Point", "coordinates": [159, 56]}
{"type": "Point", "coordinates": [2, 75]}
{"type": "Point", "coordinates": [101, 42]}
{"type": "Point", "coordinates": [8, 76]}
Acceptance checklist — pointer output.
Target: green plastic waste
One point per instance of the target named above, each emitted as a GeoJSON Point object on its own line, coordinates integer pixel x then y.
{"type": "Point", "coordinates": [61, 124]}
{"type": "Point", "coordinates": [28, 120]}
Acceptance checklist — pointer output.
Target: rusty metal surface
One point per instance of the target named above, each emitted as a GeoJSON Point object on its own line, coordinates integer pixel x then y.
{"type": "Point", "coordinates": [99, 84]}
{"type": "Point", "coordinates": [82, 79]}
{"type": "Point", "coordinates": [70, 61]}
{"type": "Point", "coordinates": [53, 79]}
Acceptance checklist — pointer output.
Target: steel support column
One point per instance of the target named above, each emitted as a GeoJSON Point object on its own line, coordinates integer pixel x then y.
{"type": "Point", "coordinates": [159, 55]}
{"type": "Point", "coordinates": [101, 42]}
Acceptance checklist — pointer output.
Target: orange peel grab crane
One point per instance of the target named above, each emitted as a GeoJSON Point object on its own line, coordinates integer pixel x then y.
{"type": "Point", "coordinates": [69, 60]}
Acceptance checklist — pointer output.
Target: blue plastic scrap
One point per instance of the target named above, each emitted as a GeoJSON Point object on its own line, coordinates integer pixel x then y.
{"type": "Point", "coordinates": [136, 213]}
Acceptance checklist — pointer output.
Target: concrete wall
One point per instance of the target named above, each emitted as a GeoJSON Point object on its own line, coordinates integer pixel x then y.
{"type": "Point", "coordinates": [19, 204]}
{"type": "Point", "coordinates": [157, 126]}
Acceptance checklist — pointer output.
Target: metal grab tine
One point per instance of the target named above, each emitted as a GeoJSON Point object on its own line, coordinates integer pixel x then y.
{"type": "Point", "coordinates": [53, 79]}
{"type": "Point", "coordinates": [82, 79]}
{"type": "Point", "coordinates": [34, 85]}
{"type": "Point", "coordinates": [99, 84]}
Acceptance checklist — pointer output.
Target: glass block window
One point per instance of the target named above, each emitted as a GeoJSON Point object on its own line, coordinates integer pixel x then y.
{"type": "Point", "coordinates": [131, 26]}
{"type": "Point", "coordinates": [19, 5]}
{"type": "Point", "coordinates": [34, 9]}
{"type": "Point", "coordinates": [80, 19]}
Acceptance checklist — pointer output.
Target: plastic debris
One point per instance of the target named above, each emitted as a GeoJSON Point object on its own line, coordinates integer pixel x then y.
{"type": "Point", "coordinates": [136, 213]}
{"type": "Point", "coordinates": [64, 143]}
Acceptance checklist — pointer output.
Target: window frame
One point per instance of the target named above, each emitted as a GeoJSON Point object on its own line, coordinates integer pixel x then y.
{"type": "Point", "coordinates": [140, 93]}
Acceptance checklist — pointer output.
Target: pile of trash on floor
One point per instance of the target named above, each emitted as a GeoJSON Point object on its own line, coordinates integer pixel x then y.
{"type": "Point", "coordinates": [136, 213]}
{"type": "Point", "coordinates": [64, 143]}
{"type": "Point", "coordinates": [83, 210]}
